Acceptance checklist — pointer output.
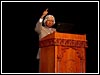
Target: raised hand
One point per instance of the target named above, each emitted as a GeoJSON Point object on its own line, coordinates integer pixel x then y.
{"type": "Point", "coordinates": [44, 13]}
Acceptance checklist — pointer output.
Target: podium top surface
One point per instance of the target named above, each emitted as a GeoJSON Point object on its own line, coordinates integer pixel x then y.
{"type": "Point", "coordinates": [65, 36]}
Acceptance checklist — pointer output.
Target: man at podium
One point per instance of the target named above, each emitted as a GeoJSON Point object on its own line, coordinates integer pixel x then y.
{"type": "Point", "coordinates": [66, 51]}
{"type": "Point", "coordinates": [43, 31]}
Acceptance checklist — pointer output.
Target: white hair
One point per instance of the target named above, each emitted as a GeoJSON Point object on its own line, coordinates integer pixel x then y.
{"type": "Point", "coordinates": [46, 18]}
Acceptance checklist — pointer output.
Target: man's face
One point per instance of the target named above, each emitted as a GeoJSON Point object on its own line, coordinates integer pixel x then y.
{"type": "Point", "coordinates": [50, 21]}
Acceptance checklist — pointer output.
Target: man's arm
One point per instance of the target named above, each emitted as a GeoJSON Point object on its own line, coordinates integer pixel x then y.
{"type": "Point", "coordinates": [39, 23]}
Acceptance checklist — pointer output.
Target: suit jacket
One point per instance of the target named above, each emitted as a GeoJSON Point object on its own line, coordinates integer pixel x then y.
{"type": "Point", "coordinates": [42, 31]}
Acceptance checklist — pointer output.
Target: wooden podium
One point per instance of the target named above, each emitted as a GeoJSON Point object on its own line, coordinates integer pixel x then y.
{"type": "Point", "coordinates": [63, 53]}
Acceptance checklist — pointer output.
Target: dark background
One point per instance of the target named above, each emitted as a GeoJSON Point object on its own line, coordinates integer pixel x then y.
{"type": "Point", "coordinates": [20, 41]}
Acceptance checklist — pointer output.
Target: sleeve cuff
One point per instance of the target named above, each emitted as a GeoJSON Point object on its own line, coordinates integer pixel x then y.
{"type": "Point", "coordinates": [40, 20]}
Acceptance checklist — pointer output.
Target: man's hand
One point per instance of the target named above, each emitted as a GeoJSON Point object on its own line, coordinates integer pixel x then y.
{"type": "Point", "coordinates": [44, 13]}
